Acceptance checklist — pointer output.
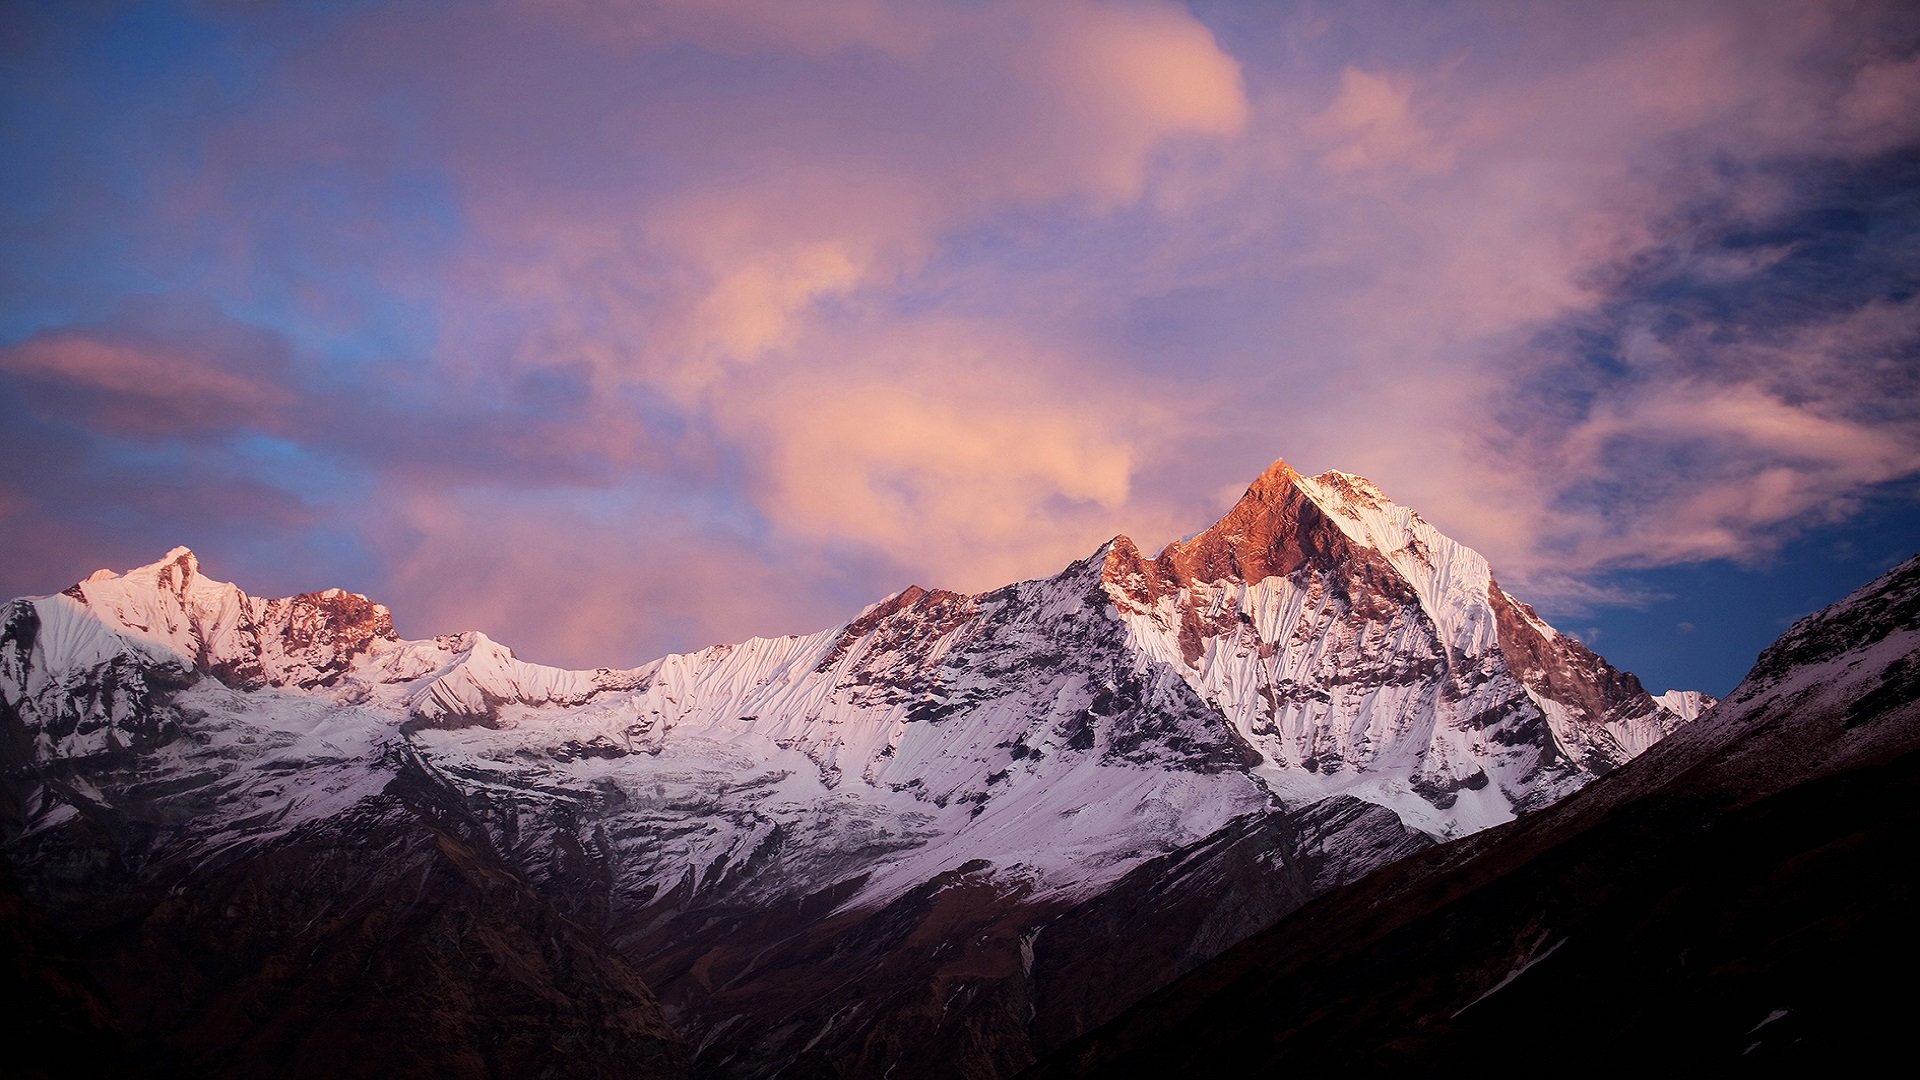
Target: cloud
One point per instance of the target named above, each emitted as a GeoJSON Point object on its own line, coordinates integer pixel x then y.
{"type": "Point", "coordinates": [74, 500]}
{"type": "Point", "coordinates": [1371, 126]}
{"type": "Point", "coordinates": [137, 378]}
{"type": "Point", "coordinates": [836, 176]}
{"type": "Point", "coordinates": [744, 25]}
{"type": "Point", "coordinates": [1738, 436]}
{"type": "Point", "coordinates": [963, 449]}
{"type": "Point", "coordinates": [815, 304]}
{"type": "Point", "coordinates": [568, 580]}
{"type": "Point", "coordinates": [974, 458]}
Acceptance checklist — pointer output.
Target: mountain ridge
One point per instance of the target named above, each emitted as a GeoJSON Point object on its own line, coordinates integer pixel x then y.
{"type": "Point", "coordinates": [1337, 528]}
{"type": "Point", "coordinates": [1319, 679]}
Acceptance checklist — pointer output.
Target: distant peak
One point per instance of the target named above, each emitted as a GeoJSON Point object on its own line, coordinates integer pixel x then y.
{"type": "Point", "coordinates": [1274, 492]}
{"type": "Point", "coordinates": [1352, 488]}
{"type": "Point", "coordinates": [181, 557]}
{"type": "Point", "coordinates": [177, 572]}
{"type": "Point", "coordinates": [177, 567]}
{"type": "Point", "coordinates": [1279, 476]}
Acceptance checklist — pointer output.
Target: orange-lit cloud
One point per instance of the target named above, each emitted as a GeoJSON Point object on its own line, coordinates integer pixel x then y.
{"type": "Point", "coordinates": [975, 458]}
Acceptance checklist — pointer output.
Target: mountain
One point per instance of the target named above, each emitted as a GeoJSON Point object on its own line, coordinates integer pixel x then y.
{"type": "Point", "coordinates": [1736, 898]}
{"type": "Point", "coordinates": [950, 834]}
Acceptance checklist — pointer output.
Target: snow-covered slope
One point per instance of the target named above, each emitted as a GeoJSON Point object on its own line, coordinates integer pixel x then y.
{"type": "Point", "coordinates": [1049, 737]}
{"type": "Point", "coordinates": [1686, 704]}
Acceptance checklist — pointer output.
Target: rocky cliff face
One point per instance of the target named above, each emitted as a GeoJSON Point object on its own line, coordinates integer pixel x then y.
{"type": "Point", "coordinates": [919, 833]}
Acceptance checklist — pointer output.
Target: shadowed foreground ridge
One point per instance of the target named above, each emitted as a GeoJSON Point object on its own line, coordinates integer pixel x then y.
{"type": "Point", "coordinates": [1737, 896]}
{"type": "Point", "coordinates": [389, 941]}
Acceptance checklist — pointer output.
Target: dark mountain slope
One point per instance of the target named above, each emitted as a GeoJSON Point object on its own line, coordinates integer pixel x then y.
{"type": "Point", "coordinates": [388, 941]}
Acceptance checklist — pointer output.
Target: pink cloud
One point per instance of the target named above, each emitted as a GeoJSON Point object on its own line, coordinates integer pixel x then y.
{"type": "Point", "coordinates": [971, 456]}
{"type": "Point", "coordinates": [565, 582]}
{"type": "Point", "coordinates": [963, 451]}
{"type": "Point", "coordinates": [849, 182]}
{"type": "Point", "coordinates": [148, 387]}
{"type": "Point", "coordinates": [1878, 110]}
{"type": "Point", "coordinates": [1372, 126]}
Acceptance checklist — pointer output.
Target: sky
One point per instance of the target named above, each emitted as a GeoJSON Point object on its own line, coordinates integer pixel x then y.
{"type": "Point", "coordinates": [614, 328]}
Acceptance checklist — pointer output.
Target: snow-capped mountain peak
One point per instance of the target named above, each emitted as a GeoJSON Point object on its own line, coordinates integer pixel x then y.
{"type": "Point", "coordinates": [1321, 617]}
{"type": "Point", "coordinates": [1257, 694]}
{"type": "Point", "coordinates": [1319, 639]}
{"type": "Point", "coordinates": [1454, 581]}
